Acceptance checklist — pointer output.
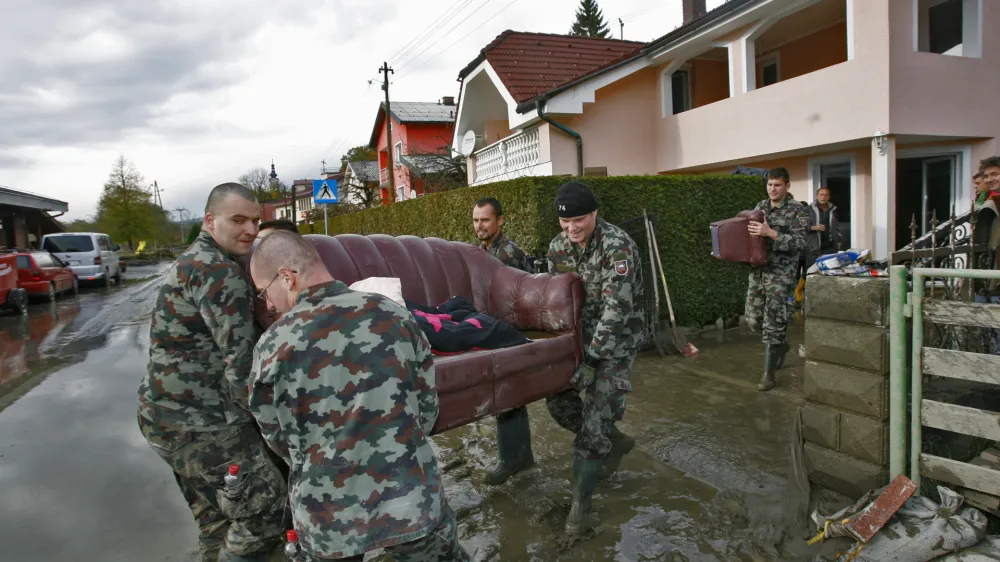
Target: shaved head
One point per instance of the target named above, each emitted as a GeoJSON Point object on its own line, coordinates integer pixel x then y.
{"type": "Point", "coordinates": [285, 249]}
{"type": "Point", "coordinates": [222, 191]}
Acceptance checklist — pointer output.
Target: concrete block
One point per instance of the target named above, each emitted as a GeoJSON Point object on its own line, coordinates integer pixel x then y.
{"type": "Point", "coordinates": [848, 389]}
{"type": "Point", "coordinates": [842, 473]}
{"type": "Point", "coordinates": [821, 425]}
{"type": "Point", "coordinates": [851, 345]}
{"type": "Point", "coordinates": [864, 438]}
{"type": "Point", "coordinates": [861, 300]}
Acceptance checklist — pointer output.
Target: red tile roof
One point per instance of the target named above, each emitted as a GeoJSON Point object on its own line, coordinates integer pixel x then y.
{"type": "Point", "coordinates": [530, 64]}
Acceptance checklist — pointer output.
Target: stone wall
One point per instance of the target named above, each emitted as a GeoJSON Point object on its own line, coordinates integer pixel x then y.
{"type": "Point", "coordinates": [845, 421]}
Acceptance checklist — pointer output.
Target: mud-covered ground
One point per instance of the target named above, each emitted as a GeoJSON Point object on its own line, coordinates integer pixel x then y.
{"type": "Point", "coordinates": [707, 480]}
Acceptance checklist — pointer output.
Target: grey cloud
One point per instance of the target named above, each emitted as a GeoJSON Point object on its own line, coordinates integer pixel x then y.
{"type": "Point", "coordinates": [94, 102]}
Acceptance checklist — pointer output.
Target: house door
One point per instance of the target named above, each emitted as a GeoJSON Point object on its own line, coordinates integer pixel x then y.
{"type": "Point", "coordinates": [925, 187]}
{"type": "Point", "coordinates": [837, 178]}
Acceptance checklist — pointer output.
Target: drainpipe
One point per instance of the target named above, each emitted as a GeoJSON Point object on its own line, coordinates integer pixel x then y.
{"type": "Point", "coordinates": [540, 107]}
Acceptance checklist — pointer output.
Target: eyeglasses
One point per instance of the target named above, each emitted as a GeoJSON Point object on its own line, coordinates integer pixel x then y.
{"type": "Point", "coordinates": [263, 291]}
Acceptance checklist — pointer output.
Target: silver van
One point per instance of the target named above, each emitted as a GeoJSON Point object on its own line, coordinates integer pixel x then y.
{"type": "Point", "coordinates": [90, 255]}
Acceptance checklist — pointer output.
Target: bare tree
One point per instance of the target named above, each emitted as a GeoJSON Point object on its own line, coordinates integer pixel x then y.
{"type": "Point", "coordinates": [440, 171]}
{"type": "Point", "coordinates": [258, 181]}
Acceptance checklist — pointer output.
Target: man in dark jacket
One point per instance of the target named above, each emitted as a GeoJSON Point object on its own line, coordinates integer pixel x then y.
{"type": "Point", "coordinates": [824, 228]}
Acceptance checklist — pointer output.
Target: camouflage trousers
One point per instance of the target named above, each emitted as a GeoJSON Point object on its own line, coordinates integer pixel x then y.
{"type": "Point", "coordinates": [441, 545]}
{"type": "Point", "coordinates": [250, 519]}
{"type": "Point", "coordinates": [767, 309]}
{"type": "Point", "coordinates": [591, 418]}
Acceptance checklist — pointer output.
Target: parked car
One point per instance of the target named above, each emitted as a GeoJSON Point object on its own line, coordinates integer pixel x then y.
{"type": "Point", "coordinates": [12, 297]}
{"type": "Point", "coordinates": [43, 275]}
{"type": "Point", "coordinates": [90, 255]}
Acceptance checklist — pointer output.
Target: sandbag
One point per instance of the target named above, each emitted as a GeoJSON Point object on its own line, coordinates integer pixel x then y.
{"type": "Point", "coordinates": [922, 531]}
{"type": "Point", "coordinates": [988, 550]}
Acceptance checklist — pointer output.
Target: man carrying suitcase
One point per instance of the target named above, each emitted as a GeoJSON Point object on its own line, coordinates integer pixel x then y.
{"type": "Point", "coordinates": [786, 223]}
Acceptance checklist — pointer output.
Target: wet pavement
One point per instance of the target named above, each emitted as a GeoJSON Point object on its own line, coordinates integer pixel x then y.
{"type": "Point", "coordinates": [705, 482]}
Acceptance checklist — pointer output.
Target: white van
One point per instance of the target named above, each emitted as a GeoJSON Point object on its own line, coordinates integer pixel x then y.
{"type": "Point", "coordinates": [90, 255]}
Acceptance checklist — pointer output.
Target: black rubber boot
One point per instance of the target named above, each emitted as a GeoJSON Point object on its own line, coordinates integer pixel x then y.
{"type": "Point", "coordinates": [585, 472]}
{"type": "Point", "coordinates": [513, 446]}
{"type": "Point", "coordinates": [770, 364]}
{"type": "Point", "coordinates": [621, 445]}
{"type": "Point", "coordinates": [782, 352]}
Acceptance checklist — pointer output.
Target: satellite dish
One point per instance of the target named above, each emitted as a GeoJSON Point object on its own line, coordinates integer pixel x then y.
{"type": "Point", "coordinates": [469, 142]}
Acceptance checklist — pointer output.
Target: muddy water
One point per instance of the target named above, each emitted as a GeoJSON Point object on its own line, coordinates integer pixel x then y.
{"type": "Point", "coordinates": [706, 481]}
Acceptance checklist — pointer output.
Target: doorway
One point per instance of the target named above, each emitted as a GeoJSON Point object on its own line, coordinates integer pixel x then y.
{"type": "Point", "coordinates": [837, 178]}
{"type": "Point", "coordinates": [925, 188]}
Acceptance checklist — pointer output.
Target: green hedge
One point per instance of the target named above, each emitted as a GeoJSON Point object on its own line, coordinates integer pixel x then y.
{"type": "Point", "coordinates": [702, 288]}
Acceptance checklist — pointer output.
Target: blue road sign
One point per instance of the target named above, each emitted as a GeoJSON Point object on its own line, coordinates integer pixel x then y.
{"type": "Point", "coordinates": [325, 191]}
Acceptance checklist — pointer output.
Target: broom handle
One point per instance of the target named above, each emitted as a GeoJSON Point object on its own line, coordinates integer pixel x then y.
{"type": "Point", "coordinates": [663, 275]}
{"type": "Point", "coordinates": [652, 261]}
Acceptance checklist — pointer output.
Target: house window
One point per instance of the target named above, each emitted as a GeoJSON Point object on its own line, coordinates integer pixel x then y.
{"type": "Point", "coordinates": [770, 72]}
{"type": "Point", "coordinates": [681, 90]}
{"type": "Point", "coordinates": [948, 27]}
{"type": "Point", "coordinates": [397, 151]}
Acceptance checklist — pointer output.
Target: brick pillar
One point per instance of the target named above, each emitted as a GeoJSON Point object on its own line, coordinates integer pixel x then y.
{"type": "Point", "coordinates": [845, 421]}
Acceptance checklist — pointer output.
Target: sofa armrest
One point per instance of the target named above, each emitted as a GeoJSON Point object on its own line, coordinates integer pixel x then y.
{"type": "Point", "coordinates": [543, 302]}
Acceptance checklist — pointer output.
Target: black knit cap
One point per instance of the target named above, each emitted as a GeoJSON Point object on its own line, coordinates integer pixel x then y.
{"type": "Point", "coordinates": [575, 199]}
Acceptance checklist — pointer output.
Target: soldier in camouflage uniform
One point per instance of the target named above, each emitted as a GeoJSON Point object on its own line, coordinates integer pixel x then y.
{"type": "Point", "coordinates": [513, 429]}
{"type": "Point", "coordinates": [193, 401]}
{"type": "Point", "coordinates": [487, 219]}
{"type": "Point", "coordinates": [343, 389]}
{"type": "Point", "coordinates": [613, 325]}
{"type": "Point", "coordinates": [785, 227]}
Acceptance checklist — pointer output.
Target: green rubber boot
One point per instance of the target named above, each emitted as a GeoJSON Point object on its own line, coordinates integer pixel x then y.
{"type": "Point", "coordinates": [513, 446]}
{"type": "Point", "coordinates": [782, 352]}
{"type": "Point", "coordinates": [770, 365]}
{"type": "Point", "coordinates": [585, 472]}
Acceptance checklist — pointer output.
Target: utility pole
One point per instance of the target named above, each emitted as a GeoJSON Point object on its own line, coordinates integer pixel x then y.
{"type": "Point", "coordinates": [621, 23]}
{"type": "Point", "coordinates": [156, 196]}
{"type": "Point", "coordinates": [180, 220]}
{"type": "Point", "coordinates": [391, 171]}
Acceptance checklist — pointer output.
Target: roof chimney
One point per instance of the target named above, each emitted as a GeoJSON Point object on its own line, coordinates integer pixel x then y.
{"type": "Point", "coordinates": [448, 100]}
{"type": "Point", "coordinates": [693, 9]}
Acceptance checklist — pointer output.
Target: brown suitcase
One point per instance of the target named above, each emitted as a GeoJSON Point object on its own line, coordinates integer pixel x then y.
{"type": "Point", "coordinates": [733, 243]}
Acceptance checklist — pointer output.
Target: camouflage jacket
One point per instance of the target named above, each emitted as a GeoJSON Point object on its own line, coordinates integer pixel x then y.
{"type": "Point", "coordinates": [613, 322]}
{"type": "Point", "coordinates": [343, 390]}
{"type": "Point", "coordinates": [506, 250]}
{"type": "Point", "coordinates": [200, 343]}
{"type": "Point", "coordinates": [791, 220]}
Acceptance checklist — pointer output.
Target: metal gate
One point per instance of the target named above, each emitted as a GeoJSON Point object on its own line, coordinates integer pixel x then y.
{"type": "Point", "coordinates": [930, 361]}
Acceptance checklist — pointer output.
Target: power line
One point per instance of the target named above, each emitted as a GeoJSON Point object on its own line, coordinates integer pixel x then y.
{"type": "Point", "coordinates": [451, 12]}
{"type": "Point", "coordinates": [446, 34]}
{"type": "Point", "coordinates": [488, 20]}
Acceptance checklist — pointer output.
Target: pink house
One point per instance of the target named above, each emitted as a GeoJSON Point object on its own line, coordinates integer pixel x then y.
{"type": "Point", "coordinates": [887, 102]}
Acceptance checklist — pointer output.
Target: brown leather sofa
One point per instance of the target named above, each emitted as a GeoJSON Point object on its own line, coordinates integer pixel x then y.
{"type": "Point", "coordinates": [476, 384]}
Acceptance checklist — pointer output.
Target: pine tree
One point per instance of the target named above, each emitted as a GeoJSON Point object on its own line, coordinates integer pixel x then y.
{"type": "Point", "coordinates": [590, 21]}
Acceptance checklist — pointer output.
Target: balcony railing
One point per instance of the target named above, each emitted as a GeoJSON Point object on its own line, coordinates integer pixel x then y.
{"type": "Point", "coordinates": [507, 157]}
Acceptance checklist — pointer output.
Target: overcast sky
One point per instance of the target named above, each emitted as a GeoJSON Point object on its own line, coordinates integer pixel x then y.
{"type": "Point", "coordinates": [195, 92]}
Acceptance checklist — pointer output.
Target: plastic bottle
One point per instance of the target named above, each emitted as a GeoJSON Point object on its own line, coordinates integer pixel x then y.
{"type": "Point", "coordinates": [233, 477]}
{"type": "Point", "coordinates": [292, 548]}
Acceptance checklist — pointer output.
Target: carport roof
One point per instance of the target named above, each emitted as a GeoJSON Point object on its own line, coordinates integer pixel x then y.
{"type": "Point", "coordinates": [17, 198]}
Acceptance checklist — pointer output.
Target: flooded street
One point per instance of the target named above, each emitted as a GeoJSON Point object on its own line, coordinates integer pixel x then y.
{"type": "Point", "coordinates": [80, 483]}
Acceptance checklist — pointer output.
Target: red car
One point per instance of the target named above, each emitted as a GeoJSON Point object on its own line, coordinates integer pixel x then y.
{"type": "Point", "coordinates": [11, 296]}
{"type": "Point", "coordinates": [42, 275]}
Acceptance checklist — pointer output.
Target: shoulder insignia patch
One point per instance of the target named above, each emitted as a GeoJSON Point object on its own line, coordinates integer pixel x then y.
{"type": "Point", "coordinates": [621, 267]}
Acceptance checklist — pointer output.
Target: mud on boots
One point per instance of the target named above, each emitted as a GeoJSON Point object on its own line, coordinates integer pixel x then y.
{"type": "Point", "coordinates": [585, 473]}
{"type": "Point", "coordinates": [621, 445]}
{"type": "Point", "coordinates": [513, 446]}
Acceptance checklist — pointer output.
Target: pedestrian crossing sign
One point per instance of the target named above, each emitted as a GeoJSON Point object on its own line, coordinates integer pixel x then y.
{"type": "Point", "coordinates": [325, 191]}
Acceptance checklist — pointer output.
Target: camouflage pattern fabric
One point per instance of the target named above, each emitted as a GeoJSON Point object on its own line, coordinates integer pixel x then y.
{"type": "Point", "coordinates": [612, 318]}
{"type": "Point", "coordinates": [343, 389]}
{"type": "Point", "coordinates": [509, 253]}
{"type": "Point", "coordinates": [440, 546]}
{"type": "Point", "coordinates": [767, 309]}
{"type": "Point", "coordinates": [613, 328]}
{"type": "Point", "coordinates": [591, 418]}
{"type": "Point", "coordinates": [200, 343]}
{"type": "Point", "coordinates": [247, 520]}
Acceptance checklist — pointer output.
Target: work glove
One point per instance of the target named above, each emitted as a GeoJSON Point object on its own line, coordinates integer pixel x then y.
{"type": "Point", "coordinates": [583, 377]}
